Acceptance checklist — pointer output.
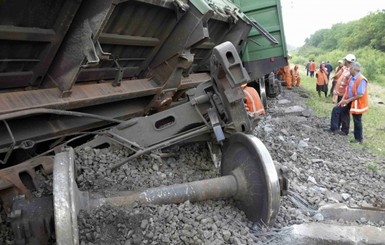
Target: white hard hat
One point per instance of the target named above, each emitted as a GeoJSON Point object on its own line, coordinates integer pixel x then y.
{"type": "Point", "coordinates": [350, 57]}
{"type": "Point", "coordinates": [340, 61]}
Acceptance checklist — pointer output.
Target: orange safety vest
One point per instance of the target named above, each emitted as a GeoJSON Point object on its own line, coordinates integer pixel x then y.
{"type": "Point", "coordinates": [338, 73]}
{"type": "Point", "coordinates": [288, 77]}
{"type": "Point", "coordinates": [322, 78]}
{"type": "Point", "coordinates": [312, 66]}
{"type": "Point", "coordinates": [342, 82]}
{"type": "Point", "coordinates": [280, 72]}
{"type": "Point", "coordinates": [360, 105]}
{"type": "Point", "coordinates": [295, 74]}
{"type": "Point", "coordinates": [287, 72]}
{"type": "Point", "coordinates": [253, 102]}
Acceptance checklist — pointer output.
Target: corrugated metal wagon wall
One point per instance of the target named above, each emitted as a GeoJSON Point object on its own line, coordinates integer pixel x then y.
{"type": "Point", "coordinates": [30, 35]}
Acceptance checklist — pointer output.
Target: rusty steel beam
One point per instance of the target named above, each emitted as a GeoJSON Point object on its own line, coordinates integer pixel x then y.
{"type": "Point", "coordinates": [88, 94]}
{"type": "Point", "coordinates": [82, 96]}
{"type": "Point", "coordinates": [116, 39]}
{"type": "Point", "coordinates": [15, 79]}
{"type": "Point", "coordinates": [206, 45]}
{"type": "Point", "coordinates": [91, 74]}
{"type": "Point", "coordinates": [170, 4]}
{"type": "Point", "coordinates": [44, 127]}
{"type": "Point", "coordinates": [26, 34]}
{"type": "Point", "coordinates": [193, 80]}
{"type": "Point", "coordinates": [37, 111]}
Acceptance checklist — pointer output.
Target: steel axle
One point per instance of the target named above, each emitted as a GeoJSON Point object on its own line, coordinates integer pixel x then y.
{"type": "Point", "coordinates": [257, 193]}
{"type": "Point", "coordinates": [216, 188]}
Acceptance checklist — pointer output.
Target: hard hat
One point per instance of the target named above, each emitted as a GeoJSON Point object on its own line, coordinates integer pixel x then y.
{"type": "Point", "coordinates": [244, 85]}
{"type": "Point", "coordinates": [340, 61]}
{"type": "Point", "coordinates": [350, 57]}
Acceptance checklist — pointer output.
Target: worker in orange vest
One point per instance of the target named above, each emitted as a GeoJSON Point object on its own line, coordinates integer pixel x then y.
{"type": "Point", "coordinates": [322, 80]}
{"type": "Point", "coordinates": [253, 102]}
{"type": "Point", "coordinates": [338, 72]}
{"type": "Point", "coordinates": [288, 77]}
{"type": "Point", "coordinates": [296, 78]}
{"type": "Point", "coordinates": [338, 120]}
{"type": "Point", "coordinates": [344, 76]}
{"type": "Point", "coordinates": [355, 100]}
{"type": "Point", "coordinates": [281, 74]}
{"type": "Point", "coordinates": [312, 67]}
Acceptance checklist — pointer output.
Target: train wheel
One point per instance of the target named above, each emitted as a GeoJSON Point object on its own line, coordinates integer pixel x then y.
{"type": "Point", "coordinates": [261, 200]}
{"type": "Point", "coordinates": [262, 92]}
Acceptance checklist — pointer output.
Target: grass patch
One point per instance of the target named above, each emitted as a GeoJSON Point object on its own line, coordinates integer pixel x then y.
{"type": "Point", "coordinates": [321, 106]}
{"type": "Point", "coordinates": [373, 167]}
{"type": "Point", "coordinates": [373, 121]}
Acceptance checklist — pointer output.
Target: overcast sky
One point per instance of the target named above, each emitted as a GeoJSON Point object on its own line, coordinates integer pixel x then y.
{"type": "Point", "coordinates": [302, 18]}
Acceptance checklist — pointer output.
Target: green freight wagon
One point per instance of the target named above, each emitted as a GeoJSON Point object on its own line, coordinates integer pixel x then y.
{"type": "Point", "coordinates": [265, 50]}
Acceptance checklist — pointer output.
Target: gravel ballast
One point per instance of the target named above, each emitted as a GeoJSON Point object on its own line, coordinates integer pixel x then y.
{"type": "Point", "coordinates": [322, 168]}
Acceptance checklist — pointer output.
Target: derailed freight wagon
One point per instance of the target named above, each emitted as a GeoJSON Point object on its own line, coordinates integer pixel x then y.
{"type": "Point", "coordinates": [265, 50]}
{"type": "Point", "coordinates": [145, 74]}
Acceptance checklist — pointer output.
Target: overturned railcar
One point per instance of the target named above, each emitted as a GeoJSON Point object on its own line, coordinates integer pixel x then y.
{"type": "Point", "coordinates": [265, 51]}
{"type": "Point", "coordinates": [142, 73]}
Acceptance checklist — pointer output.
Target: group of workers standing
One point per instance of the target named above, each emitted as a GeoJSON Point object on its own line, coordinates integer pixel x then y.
{"type": "Point", "coordinates": [349, 91]}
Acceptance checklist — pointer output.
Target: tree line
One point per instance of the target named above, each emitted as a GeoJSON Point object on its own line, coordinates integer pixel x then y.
{"type": "Point", "coordinates": [364, 37]}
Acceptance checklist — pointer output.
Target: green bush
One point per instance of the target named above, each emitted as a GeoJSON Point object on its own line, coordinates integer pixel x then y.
{"type": "Point", "coordinates": [364, 38]}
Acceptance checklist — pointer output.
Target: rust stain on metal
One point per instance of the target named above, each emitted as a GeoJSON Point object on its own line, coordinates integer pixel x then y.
{"type": "Point", "coordinates": [82, 95]}
{"type": "Point", "coordinates": [87, 94]}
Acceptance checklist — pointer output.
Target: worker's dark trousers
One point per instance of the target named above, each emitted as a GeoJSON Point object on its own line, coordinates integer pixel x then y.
{"type": "Point", "coordinates": [340, 117]}
{"type": "Point", "coordinates": [345, 118]}
{"type": "Point", "coordinates": [332, 88]}
{"type": "Point", "coordinates": [335, 120]}
{"type": "Point", "coordinates": [358, 135]}
{"type": "Point", "coordinates": [338, 120]}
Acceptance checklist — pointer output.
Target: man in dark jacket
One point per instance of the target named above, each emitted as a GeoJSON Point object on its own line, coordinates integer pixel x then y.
{"type": "Point", "coordinates": [308, 68]}
{"type": "Point", "coordinates": [328, 67]}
